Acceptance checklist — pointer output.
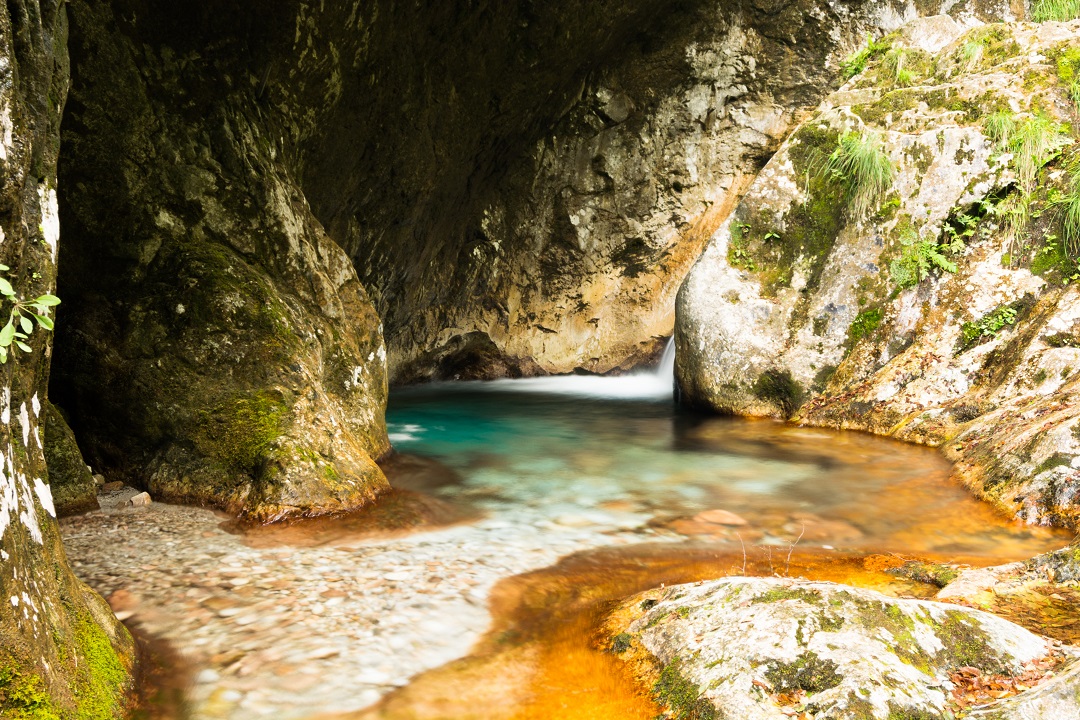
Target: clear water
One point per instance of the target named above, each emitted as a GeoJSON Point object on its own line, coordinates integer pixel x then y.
{"type": "Point", "coordinates": [615, 453]}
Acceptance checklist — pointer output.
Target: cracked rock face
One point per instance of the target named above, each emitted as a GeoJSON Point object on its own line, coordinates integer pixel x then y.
{"type": "Point", "coordinates": [795, 308]}
{"type": "Point", "coordinates": [741, 645]}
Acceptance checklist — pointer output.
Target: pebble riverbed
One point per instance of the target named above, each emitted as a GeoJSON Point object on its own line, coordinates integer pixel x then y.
{"type": "Point", "coordinates": [292, 632]}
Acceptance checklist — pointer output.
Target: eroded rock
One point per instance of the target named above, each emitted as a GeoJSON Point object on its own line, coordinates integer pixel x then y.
{"type": "Point", "coordinates": [755, 648]}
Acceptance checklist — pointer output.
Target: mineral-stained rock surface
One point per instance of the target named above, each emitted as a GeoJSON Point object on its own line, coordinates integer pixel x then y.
{"type": "Point", "coordinates": [62, 653]}
{"type": "Point", "coordinates": [755, 648]}
{"type": "Point", "coordinates": [944, 313]}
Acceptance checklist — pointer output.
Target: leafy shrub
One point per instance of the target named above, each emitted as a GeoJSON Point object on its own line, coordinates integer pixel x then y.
{"type": "Point", "coordinates": [862, 165]}
{"type": "Point", "coordinates": [14, 335]}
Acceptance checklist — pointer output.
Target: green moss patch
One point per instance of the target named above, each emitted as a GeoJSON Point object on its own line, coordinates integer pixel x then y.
{"type": "Point", "coordinates": [681, 696]}
{"type": "Point", "coordinates": [23, 696]}
{"type": "Point", "coordinates": [812, 597]}
{"type": "Point", "coordinates": [781, 389]}
{"type": "Point", "coordinates": [864, 324]}
{"type": "Point", "coordinates": [240, 432]}
{"type": "Point", "coordinates": [805, 237]}
{"type": "Point", "coordinates": [807, 672]}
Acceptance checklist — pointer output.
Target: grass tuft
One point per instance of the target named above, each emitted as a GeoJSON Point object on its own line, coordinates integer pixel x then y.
{"type": "Point", "coordinates": [1055, 10]}
{"type": "Point", "coordinates": [1070, 204]}
{"type": "Point", "coordinates": [862, 165]}
{"type": "Point", "coordinates": [1036, 141]}
{"type": "Point", "coordinates": [895, 64]}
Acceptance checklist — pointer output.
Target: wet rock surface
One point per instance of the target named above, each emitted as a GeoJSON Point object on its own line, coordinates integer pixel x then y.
{"type": "Point", "coordinates": [800, 308]}
{"type": "Point", "coordinates": [219, 348]}
{"type": "Point", "coordinates": [772, 648]}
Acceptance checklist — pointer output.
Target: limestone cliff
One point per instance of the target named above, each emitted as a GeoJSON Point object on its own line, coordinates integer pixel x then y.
{"type": "Point", "coordinates": [946, 311]}
{"type": "Point", "coordinates": [62, 653]}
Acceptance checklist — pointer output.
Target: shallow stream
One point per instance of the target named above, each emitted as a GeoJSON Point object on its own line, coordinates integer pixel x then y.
{"type": "Point", "coordinates": [523, 510]}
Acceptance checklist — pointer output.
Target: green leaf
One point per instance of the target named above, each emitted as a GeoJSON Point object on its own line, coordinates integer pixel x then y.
{"type": "Point", "coordinates": [3, 355]}
{"type": "Point", "coordinates": [24, 347]}
{"type": "Point", "coordinates": [7, 335]}
{"type": "Point", "coordinates": [45, 322]}
{"type": "Point", "coordinates": [47, 300]}
{"type": "Point", "coordinates": [27, 326]}
{"type": "Point", "coordinates": [6, 289]}
{"type": "Point", "coordinates": [4, 268]}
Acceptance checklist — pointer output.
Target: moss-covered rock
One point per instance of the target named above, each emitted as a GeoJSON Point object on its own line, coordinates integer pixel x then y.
{"type": "Point", "coordinates": [218, 347]}
{"type": "Point", "coordinates": [745, 647]}
{"type": "Point", "coordinates": [943, 315]}
{"type": "Point", "coordinates": [63, 654]}
{"type": "Point", "coordinates": [72, 484]}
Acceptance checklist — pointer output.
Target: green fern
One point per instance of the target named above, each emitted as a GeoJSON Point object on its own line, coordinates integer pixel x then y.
{"type": "Point", "coordinates": [917, 260]}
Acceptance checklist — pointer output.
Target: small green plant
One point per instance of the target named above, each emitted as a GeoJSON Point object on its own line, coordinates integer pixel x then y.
{"type": "Point", "coordinates": [917, 260]}
{"type": "Point", "coordinates": [1051, 10]}
{"type": "Point", "coordinates": [19, 326]}
{"type": "Point", "coordinates": [1036, 141]}
{"type": "Point", "coordinates": [862, 165]}
{"type": "Point", "coordinates": [857, 61]}
{"type": "Point", "coordinates": [986, 327]}
{"type": "Point", "coordinates": [1000, 126]}
{"type": "Point", "coordinates": [1069, 202]}
{"type": "Point", "coordinates": [738, 254]}
{"type": "Point", "coordinates": [958, 231]}
{"type": "Point", "coordinates": [894, 62]}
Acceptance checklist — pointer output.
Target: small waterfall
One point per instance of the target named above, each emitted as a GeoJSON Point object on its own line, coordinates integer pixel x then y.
{"type": "Point", "coordinates": [666, 368]}
{"type": "Point", "coordinates": [647, 384]}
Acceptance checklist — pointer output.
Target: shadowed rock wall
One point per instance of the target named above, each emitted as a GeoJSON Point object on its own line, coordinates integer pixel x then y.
{"type": "Point", "coordinates": [62, 653]}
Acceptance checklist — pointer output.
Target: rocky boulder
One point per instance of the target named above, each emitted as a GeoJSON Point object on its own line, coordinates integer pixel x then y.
{"type": "Point", "coordinates": [940, 309]}
{"type": "Point", "coordinates": [219, 348]}
{"type": "Point", "coordinates": [70, 480]}
{"type": "Point", "coordinates": [771, 648]}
